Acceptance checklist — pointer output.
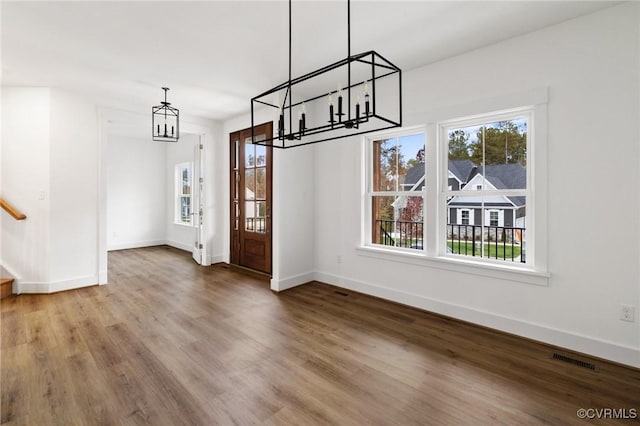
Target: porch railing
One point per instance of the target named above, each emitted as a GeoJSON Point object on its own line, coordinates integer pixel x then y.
{"type": "Point", "coordinates": [256, 224]}
{"type": "Point", "coordinates": [400, 233]}
{"type": "Point", "coordinates": [494, 242]}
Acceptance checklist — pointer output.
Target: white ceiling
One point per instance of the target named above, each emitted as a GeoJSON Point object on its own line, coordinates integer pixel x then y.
{"type": "Point", "coordinates": [216, 55]}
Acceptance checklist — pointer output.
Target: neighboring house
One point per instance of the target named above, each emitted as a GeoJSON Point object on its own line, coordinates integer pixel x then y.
{"type": "Point", "coordinates": [414, 179]}
{"type": "Point", "coordinates": [460, 171]}
{"type": "Point", "coordinates": [501, 211]}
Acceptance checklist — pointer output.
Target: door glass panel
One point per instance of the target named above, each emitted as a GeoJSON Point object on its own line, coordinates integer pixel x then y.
{"type": "Point", "coordinates": [250, 215]}
{"type": "Point", "coordinates": [261, 183]}
{"type": "Point", "coordinates": [249, 153]}
{"type": "Point", "coordinates": [261, 216]}
{"type": "Point", "coordinates": [250, 184]}
{"type": "Point", "coordinates": [261, 155]}
{"type": "Point", "coordinates": [236, 185]}
{"type": "Point", "coordinates": [236, 215]}
{"type": "Point", "coordinates": [236, 146]}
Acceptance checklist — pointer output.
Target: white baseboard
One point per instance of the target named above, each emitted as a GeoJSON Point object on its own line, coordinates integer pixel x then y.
{"type": "Point", "coordinates": [175, 244]}
{"type": "Point", "coordinates": [73, 283]}
{"type": "Point", "coordinates": [31, 288]}
{"type": "Point", "coordinates": [141, 244]}
{"type": "Point", "coordinates": [296, 280]}
{"type": "Point", "coordinates": [596, 347]}
{"type": "Point", "coordinates": [136, 244]}
{"type": "Point", "coordinates": [55, 286]}
{"type": "Point", "coordinates": [214, 259]}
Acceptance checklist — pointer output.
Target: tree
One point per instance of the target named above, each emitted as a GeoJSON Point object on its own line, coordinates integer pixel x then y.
{"type": "Point", "coordinates": [415, 161]}
{"type": "Point", "coordinates": [392, 164]}
{"type": "Point", "coordinates": [458, 148]}
{"type": "Point", "coordinates": [504, 143]}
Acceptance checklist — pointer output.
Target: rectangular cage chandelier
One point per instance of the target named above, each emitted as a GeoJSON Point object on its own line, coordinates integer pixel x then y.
{"type": "Point", "coordinates": [341, 99]}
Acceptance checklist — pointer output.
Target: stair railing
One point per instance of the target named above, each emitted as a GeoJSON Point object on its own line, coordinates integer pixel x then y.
{"type": "Point", "coordinates": [17, 215]}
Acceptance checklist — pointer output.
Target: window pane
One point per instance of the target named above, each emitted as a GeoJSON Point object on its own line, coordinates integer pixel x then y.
{"type": "Point", "coordinates": [236, 147]}
{"type": "Point", "coordinates": [411, 168]}
{"type": "Point", "coordinates": [462, 142]}
{"type": "Point", "coordinates": [236, 185]}
{"type": "Point", "coordinates": [185, 209]}
{"type": "Point", "coordinates": [494, 218]}
{"type": "Point", "coordinates": [182, 188]}
{"type": "Point", "coordinates": [249, 184]}
{"type": "Point", "coordinates": [261, 155]}
{"type": "Point", "coordinates": [488, 156]}
{"type": "Point", "coordinates": [261, 213]}
{"type": "Point", "coordinates": [250, 215]}
{"type": "Point", "coordinates": [261, 183]}
{"type": "Point", "coordinates": [384, 178]}
{"type": "Point", "coordinates": [186, 180]}
{"type": "Point", "coordinates": [399, 164]}
{"type": "Point", "coordinates": [487, 226]}
{"type": "Point", "coordinates": [397, 221]}
{"type": "Point", "coordinates": [249, 153]}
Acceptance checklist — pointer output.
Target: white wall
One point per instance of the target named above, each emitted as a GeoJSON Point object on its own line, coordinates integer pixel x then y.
{"type": "Point", "coordinates": [50, 172]}
{"type": "Point", "coordinates": [24, 245]}
{"type": "Point", "coordinates": [136, 194]}
{"type": "Point", "coordinates": [292, 207]}
{"type": "Point", "coordinates": [591, 67]}
{"type": "Point", "coordinates": [293, 217]}
{"type": "Point", "coordinates": [74, 191]}
{"type": "Point", "coordinates": [180, 236]}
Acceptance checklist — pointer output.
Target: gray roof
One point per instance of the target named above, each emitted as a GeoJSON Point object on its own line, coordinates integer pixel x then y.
{"type": "Point", "coordinates": [461, 169]}
{"type": "Point", "coordinates": [506, 176]}
{"type": "Point", "coordinates": [413, 175]}
{"type": "Point", "coordinates": [502, 176]}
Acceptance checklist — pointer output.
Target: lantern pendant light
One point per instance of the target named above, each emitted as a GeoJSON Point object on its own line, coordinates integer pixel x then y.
{"type": "Point", "coordinates": [165, 121]}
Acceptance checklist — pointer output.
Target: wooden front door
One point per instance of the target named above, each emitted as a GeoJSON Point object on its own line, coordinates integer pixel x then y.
{"type": "Point", "coordinates": [250, 202]}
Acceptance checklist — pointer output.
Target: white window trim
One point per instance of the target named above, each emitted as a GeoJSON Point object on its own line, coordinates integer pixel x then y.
{"type": "Point", "coordinates": [367, 191]}
{"type": "Point", "coordinates": [178, 194]}
{"type": "Point", "coordinates": [536, 271]}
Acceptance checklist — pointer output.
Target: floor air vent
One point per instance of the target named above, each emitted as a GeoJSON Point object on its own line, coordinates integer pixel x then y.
{"type": "Point", "coordinates": [341, 293]}
{"type": "Point", "coordinates": [574, 361]}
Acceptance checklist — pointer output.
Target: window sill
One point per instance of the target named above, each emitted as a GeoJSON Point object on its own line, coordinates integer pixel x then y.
{"type": "Point", "coordinates": [184, 225]}
{"type": "Point", "coordinates": [491, 270]}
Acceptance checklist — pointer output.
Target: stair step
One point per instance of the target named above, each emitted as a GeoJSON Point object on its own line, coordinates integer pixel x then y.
{"type": "Point", "coordinates": [6, 287]}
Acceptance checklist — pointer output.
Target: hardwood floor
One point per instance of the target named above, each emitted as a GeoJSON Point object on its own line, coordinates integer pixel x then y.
{"type": "Point", "coordinates": [169, 343]}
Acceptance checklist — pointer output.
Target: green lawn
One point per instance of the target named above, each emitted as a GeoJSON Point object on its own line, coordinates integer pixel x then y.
{"type": "Point", "coordinates": [489, 249]}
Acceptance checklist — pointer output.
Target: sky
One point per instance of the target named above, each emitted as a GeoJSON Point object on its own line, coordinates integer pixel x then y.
{"type": "Point", "coordinates": [410, 145]}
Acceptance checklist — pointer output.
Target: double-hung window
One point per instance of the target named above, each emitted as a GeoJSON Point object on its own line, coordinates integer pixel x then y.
{"type": "Point", "coordinates": [396, 190]}
{"type": "Point", "coordinates": [183, 191]}
{"type": "Point", "coordinates": [460, 192]}
{"type": "Point", "coordinates": [487, 155]}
